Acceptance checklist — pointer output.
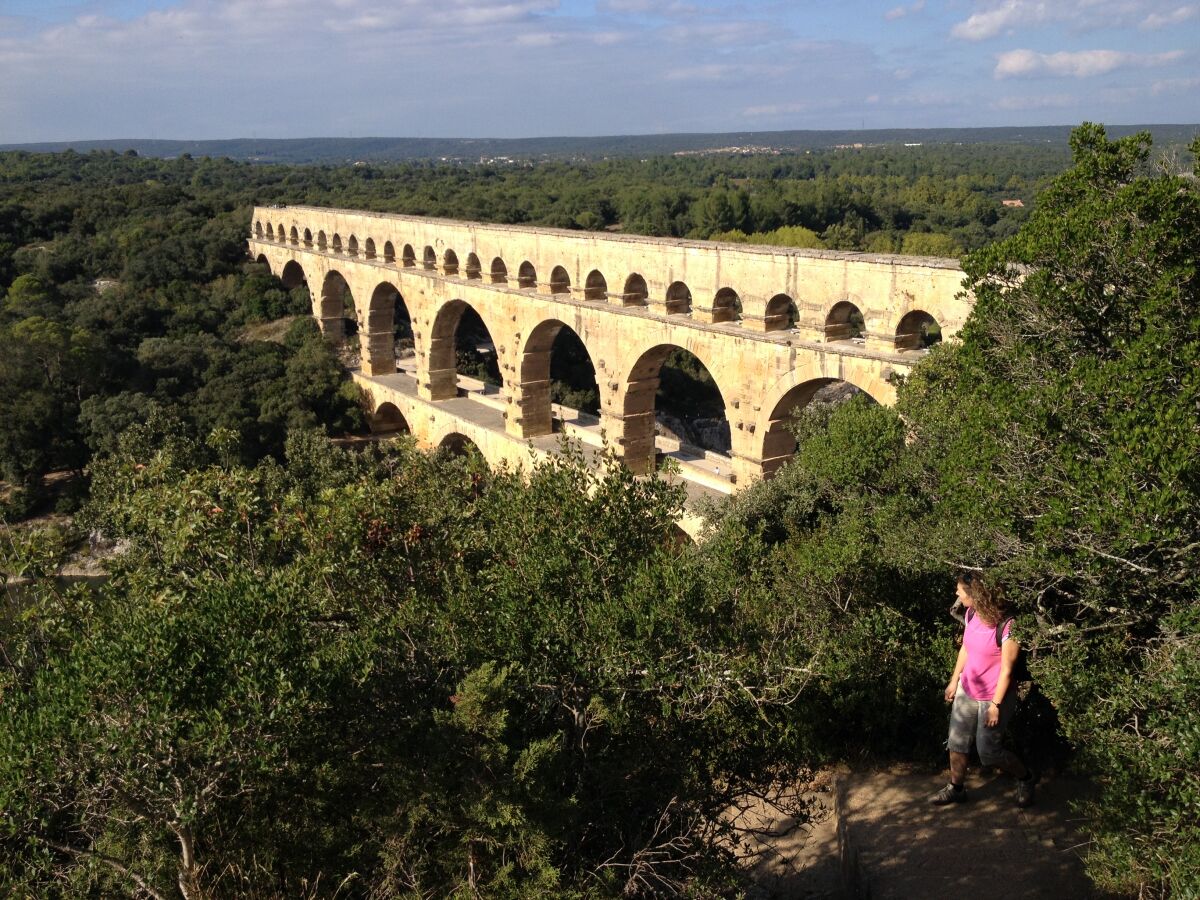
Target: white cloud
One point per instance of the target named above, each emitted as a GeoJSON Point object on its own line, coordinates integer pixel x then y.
{"type": "Point", "coordinates": [1000, 18]}
{"type": "Point", "coordinates": [722, 34]}
{"type": "Point", "coordinates": [1080, 64]}
{"type": "Point", "coordinates": [899, 12]}
{"type": "Point", "coordinates": [1177, 16]}
{"type": "Point", "coordinates": [1174, 86]}
{"type": "Point", "coordinates": [993, 18]}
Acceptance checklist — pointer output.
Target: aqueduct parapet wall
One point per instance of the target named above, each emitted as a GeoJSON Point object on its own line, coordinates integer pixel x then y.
{"type": "Point", "coordinates": [770, 324]}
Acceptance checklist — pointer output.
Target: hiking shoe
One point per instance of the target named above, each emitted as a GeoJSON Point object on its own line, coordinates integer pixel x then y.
{"type": "Point", "coordinates": [1025, 791]}
{"type": "Point", "coordinates": [948, 795]}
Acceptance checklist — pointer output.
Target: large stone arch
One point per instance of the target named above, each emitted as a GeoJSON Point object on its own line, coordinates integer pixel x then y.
{"type": "Point", "coordinates": [336, 306]}
{"type": "Point", "coordinates": [441, 363]}
{"type": "Point", "coordinates": [784, 401]}
{"type": "Point", "coordinates": [293, 275]}
{"type": "Point", "coordinates": [637, 403]}
{"type": "Point", "coordinates": [455, 443]}
{"type": "Point", "coordinates": [530, 394]}
{"type": "Point", "coordinates": [262, 260]}
{"type": "Point", "coordinates": [388, 419]}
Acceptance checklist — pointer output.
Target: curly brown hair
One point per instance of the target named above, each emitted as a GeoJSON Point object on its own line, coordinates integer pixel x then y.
{"type": "Point", "coordinates": [990, 602]}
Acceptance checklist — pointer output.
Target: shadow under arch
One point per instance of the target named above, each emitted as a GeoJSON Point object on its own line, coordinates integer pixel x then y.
{"type": "Point", "coordinates": [339, 318]}
{"type": "Point", "coordinates": [458, 444]}
{"type": "Point", "coordinates": [389, 323]}
{"type": "Point", "coordinates": [918, 330]}
{"type": "Point", "coordinates": [461, 342]}
{"type": "Point", "coordinates": [779, 444]}
{"type": "Point", "coordinates": [262, 260]}
{"type": "Point", "coordinates": [556, 367]}
{"type": "Point", "coordinates": [387, 419]}
{"type": "Point", "coordinates": [293, 275]}
{"type": "Point", "coordinates": [672, 384]}
{"type": "Point", "coordinates": [845, 322]}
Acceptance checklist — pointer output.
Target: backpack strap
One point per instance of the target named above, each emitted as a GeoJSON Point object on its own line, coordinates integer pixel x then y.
{"type": "Point", "coordinates": [1000, 629]}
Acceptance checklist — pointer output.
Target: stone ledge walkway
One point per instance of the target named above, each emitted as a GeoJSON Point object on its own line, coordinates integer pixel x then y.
{"type": "Point", "coordinates": [897, 845]}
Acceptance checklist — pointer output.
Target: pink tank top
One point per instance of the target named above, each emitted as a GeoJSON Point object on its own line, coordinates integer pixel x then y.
{"type": "Point", "coordinates": [982, 671]}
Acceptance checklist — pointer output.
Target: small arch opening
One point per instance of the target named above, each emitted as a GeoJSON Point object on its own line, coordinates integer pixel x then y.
{"type": "Point", "coordinates": [322, 241]}
{"type": "Point", "coordinates": [499, 272]}
{"type": "Point", "coordinates": [352, 246]}
{"type": "Point", "coordinates": [679, 299]}
{"type": "Point", "coordinates": [430, 259]}
{"type": "Point", "coordinates": [408, 256]}
{"type": "Point", "coordinates": [459, 445]}
{"type": "Point", "coordinates": [369, 248]}
{"type": "Point", "coordinates": [595, 287]}
{"type": "Point", "coordinates": [560, 281]}
{"type": "Point", "coordinates": [307, 237]}
{"type": "Point", "coordinates": [337, 243]}
{"type": "Point", "coordinates": [918, 330]}
{"type": "Point", "coordinates": [527, 276]}
{"type": "Point", "coordinates": [845, 323]}
{"type": "Point", "coordinates": [258, 231]}
{"type": "Point", "coordinates": [781, 313]}
{"type": "Point", "coordinates": [281, 235]}
{"type": "Point", "coordinates": [450, 262]}
{"type": "Point", "coordinates": [294, 236]}
{"type": "Point", "coordinates": [474, 270]}
{"type": "Point", "coordinates": [389, 252]}
{"type": "Point", "coordinates": [636, 293]}
{"type": "Point", "coordinates": [389, 420]}
{"type": "Point", "coordinates": [727, 306]}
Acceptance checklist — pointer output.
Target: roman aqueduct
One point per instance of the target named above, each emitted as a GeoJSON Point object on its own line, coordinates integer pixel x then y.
{"type": "Point", "coordinates": [772, 326]}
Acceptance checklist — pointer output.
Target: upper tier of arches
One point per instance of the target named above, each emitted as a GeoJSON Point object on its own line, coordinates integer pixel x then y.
{"type": "Point", "coordinates": [853, 314]}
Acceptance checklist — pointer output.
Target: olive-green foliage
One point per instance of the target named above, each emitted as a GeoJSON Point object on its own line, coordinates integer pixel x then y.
{"type": "Point", "coordinates": [1056, 446]}
{"type": "Point", "coordinates": [400, 674]}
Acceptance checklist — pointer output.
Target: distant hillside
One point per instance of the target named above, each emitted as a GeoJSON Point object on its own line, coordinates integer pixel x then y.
{"type": "Point", "coordinates": [348, 150]}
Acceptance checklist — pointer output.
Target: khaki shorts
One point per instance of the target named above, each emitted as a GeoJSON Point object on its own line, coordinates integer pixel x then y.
{"type": "Point", "coordinates": [968, 721]}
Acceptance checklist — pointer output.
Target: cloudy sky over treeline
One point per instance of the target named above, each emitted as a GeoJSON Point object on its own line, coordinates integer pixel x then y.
{"type": "Point", "coordinates": [78, 69]}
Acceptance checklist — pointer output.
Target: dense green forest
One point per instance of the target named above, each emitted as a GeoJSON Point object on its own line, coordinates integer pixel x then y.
{"type": "Point", "coordinates": [384, 673]}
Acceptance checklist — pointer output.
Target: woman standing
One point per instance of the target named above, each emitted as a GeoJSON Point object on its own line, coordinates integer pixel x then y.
{"type": "Point", "coordinates": [982, 692]}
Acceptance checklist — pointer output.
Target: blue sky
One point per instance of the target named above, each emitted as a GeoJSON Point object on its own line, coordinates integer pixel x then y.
{"type": "Point", "coordinates": [77, 69]}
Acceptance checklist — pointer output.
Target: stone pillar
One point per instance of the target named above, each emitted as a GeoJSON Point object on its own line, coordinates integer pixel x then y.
{"type": "Point", "coordinates": [334, 328]}
{"type": "Point", "coordinates": [878, 342]}
{"type": "Point", "coordinates": [636, 432]}
{"type": "Point", "coordinates": [437, 382]}
{"type": "Point", "coordinates": [704, 314]}
{"type": "Point", "coordinates": [529, 410]}
{"type": "Point", "coordinates": [379, 353]}
{"type": "Point", "coordinates": [378, 343]}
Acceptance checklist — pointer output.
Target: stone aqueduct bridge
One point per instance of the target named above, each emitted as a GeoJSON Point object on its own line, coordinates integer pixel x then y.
{"type": "Point", "coordinates": [772, 325]}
